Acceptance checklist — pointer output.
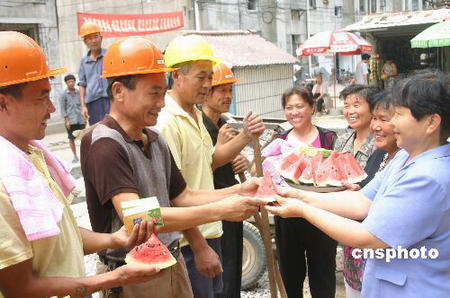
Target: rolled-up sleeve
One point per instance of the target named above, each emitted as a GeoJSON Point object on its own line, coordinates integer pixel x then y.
{"type": "Point", "coordinates": [408, 212]}
{"type": "Point", "coordinates": [82, 80]}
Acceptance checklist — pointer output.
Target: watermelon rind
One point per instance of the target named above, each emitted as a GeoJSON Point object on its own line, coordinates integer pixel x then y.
{"type": "Point", "coordinates": [161, 265]}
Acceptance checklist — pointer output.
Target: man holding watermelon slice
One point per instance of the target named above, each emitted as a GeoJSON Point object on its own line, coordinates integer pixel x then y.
{"type": "Point", "coordinates": [124, 159]}
{"type": "Point", "coordinates": [42, 247]}
{"type": "Point", "coordinates": [405, 207]}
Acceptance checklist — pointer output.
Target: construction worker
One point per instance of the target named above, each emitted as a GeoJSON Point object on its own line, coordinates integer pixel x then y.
{"type": "Point", "coordinates": [42, 248]}
{"type": "Point", "coordinates": [181, 123]}
{"type": "Point", "coordinates": [218, 102]}
{"type": "Point", "coordinates": [122, 159]}
{"type": "Point", "coordinates": [93, 96]}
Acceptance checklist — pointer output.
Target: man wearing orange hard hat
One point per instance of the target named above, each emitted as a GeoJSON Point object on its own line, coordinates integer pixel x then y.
{"type": "Point", "coordinates": [93, 96]}
{"type": "Point", "coordinates": [124, 159]}
{"type": "Point", "coordinates": [218, 102]}
{"type": "Point", "coordinates": [42, 248]}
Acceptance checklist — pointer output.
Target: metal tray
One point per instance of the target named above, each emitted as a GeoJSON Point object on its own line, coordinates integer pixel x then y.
{"type": "Point", "coordinates": [316, 188]}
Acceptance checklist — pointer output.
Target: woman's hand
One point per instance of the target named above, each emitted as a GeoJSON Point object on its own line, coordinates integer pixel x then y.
{"type": "Point", "coordinates": [287, 207]}
{"type": "Point", "coordinates": [352, 186]}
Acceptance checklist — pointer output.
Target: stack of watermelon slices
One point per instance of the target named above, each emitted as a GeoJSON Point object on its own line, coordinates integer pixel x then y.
{"type": "Point", "coordinates": [321, 168]}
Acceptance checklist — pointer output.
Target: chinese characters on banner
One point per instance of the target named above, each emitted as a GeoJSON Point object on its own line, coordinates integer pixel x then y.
{"type": "Point", "coordinates": [116, 25]}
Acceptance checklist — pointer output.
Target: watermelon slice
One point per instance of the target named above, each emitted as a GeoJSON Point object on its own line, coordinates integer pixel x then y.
{"type": "Point", "coordinates": [152, 252]}
{"type": "Point", "coordinates": [288, 167]}
{"type": "Point", "coordinates": [349, 168]}
{"type": "Point", "coordinates": [357, 173]}
{"type": "Point", "coordinates": [328, 173]}
{"type": "Point", "coordinates": [307, 173]}
{"type": "Point", "coordinates": [316, 162]}
{"type": "Point", "coordinates": [267, 190]}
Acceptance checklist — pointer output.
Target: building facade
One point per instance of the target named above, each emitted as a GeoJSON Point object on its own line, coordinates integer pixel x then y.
{"type": "Point", "coordinates": [37, 19]}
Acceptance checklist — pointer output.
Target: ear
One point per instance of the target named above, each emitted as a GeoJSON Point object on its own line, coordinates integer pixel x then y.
{"type": "Point", "coordinates": [4, 100]}
{"type": "Point", "coordinates": [118, 91]}
{"type": "Point", "coordinates": [434, 123]}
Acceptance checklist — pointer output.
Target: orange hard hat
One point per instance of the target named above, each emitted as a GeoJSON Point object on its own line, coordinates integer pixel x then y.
{"type": "Point", "coordinates": [223, 75]}
{"type": "Point", "coordinates": [22, 60]}
{"type": "Point", "coordinates": [88, 28]}
{"type": "Point", "coordinates": [131, 56]}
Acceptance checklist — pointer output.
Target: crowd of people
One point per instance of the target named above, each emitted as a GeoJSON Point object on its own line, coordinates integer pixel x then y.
{"type": "Point", "coordinates": [177, 146]}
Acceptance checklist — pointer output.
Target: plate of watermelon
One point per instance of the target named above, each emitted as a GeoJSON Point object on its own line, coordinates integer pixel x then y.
{"type": "Point", "coordinates": [320, 170]}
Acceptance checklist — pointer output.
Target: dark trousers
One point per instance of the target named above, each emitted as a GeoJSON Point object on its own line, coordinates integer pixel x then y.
{"type": "Point", "coordinates": [202, 286]}
{"type": "Point", "coordinates": [231, 259]}
{"type": "Point", "coordinates": [296, 240]}
{"type": "Point", "coordinates": [98, 109]}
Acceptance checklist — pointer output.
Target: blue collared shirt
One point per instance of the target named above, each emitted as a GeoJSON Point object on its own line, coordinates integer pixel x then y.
{"type": "Point", "coordinates": [89, 77]}
{"type": "Point", "coordinates": [70, 106]}
{"type": "Point", "coordinates": [411, 208]}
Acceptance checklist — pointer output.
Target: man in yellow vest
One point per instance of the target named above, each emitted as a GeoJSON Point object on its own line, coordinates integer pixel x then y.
{"type": "Point", "coordinates": [181, 124]}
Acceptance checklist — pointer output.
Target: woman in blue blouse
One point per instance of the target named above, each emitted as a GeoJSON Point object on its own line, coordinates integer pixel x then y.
{"type": "Point", "coordinates": [405, 209]}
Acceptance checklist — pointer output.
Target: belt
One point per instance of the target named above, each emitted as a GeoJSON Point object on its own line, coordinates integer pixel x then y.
{"type": "Point", "coordinates": [174, 248]}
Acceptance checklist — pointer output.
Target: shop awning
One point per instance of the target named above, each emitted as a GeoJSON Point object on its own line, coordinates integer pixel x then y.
{"type": "Point", "coordinates": [399, 23]}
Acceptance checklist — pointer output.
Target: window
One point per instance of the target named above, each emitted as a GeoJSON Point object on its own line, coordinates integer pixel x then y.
{"type": "Point", "coordinates": [373, 6]}
{"type": "Point", "coordinates": [251, 5]}
{"type": "Point", "coordinates": [338, 11]}
{"type": "Point", "coordinates": [362, 5]}
{"type": "Point", "coordinates": [312, 4]}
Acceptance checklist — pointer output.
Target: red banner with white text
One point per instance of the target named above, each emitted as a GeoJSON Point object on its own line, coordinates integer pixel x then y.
{"type": "Point", "coordinates": [116, 25]}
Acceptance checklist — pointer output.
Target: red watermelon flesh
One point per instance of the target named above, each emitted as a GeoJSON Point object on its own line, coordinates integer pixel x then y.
{"type": "Point", "coordinates": [267, 189]}
{"type": "Point", "coordinates": [288, 161]}
{"type": "Point", "coordinates": [292, 167]}
{"type": "Point", "coordinates": [152, 252]}
{"type": "Point", "coordinates": [358, 173]}
{"type": "Point", "coordinates": [316, 162]}
{"type": "Point", "coordinates": [307, 173]}
{"type": "Point", "coordinates": [328, 173]}
{"type": "Point", "coordinates": [350, 170]}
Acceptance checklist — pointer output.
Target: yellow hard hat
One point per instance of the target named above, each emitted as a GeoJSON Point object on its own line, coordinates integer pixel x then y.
{"type": "Point", "coordinates": [88, 28]}
{"type": "Point", "coordinates": [131, 56]}
{"type": "Point", "coordinates": [189, 48]}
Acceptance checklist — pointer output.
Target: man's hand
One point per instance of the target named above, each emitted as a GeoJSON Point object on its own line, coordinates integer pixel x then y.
{"type": "Point", "coordinates": [286, 207]}
{"type": "Point", "coordinates": [240, 164]}
{"type": "Point", "coordinates": [249, 187]}
{"type": "Point", "coordinates": [67, 123]}
{"type": "Point", "coordinates": [239, 208]}
{"type": "Point", "coordinates": [141, 232]}
{"type": "Point", "coordinates": [290, 192]}
{"type": "Point", "coordinates": [226, 133]}
{"type": "Point", "coordinates": [133, 274]}
{"type": "Point", "coordinates": [253, 125]}
{"type": "Point", "coordinates": [207, 262]}
{"type": "Point", "coordinates": [84, 112]}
